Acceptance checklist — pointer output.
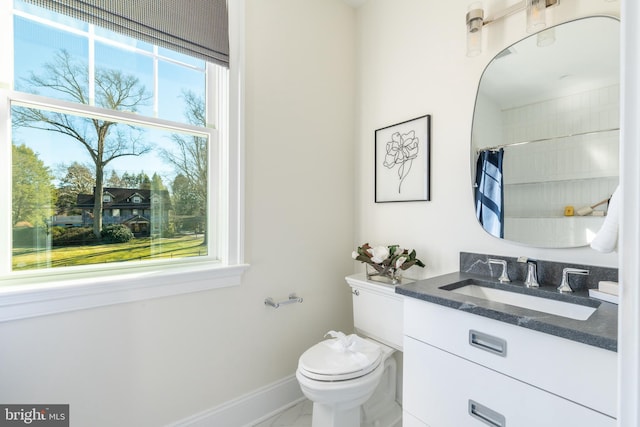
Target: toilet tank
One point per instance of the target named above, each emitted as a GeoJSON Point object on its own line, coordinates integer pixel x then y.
{"type": "Point", "coordinates": [377, 310]}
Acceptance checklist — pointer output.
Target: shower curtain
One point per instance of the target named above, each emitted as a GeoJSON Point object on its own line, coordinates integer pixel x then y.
{"type": "Point", "coordinates": [489, 191]}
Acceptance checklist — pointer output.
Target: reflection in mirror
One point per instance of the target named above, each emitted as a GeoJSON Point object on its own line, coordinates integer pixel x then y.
{"type": "Point", "coordinates": [544, 141]}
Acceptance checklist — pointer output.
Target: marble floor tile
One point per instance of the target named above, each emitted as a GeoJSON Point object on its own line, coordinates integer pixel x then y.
{"type": "Point", "coordinates": [296, 416]}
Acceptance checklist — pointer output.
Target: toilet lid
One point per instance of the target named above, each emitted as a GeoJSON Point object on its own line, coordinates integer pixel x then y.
{"type": "Point", "coordinates": [329, 361]}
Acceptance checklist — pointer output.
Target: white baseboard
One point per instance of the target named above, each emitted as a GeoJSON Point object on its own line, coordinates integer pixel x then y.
{"type": "Point", "coordinates": [249, 409]}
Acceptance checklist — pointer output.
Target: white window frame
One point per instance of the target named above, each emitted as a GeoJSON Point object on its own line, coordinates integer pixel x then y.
{"type": "Point", "coordinates": [91, 286]}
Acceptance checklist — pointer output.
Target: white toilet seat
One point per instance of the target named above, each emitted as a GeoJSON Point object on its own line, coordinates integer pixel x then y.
{"type": "Point", "coordinates": [327, 361]}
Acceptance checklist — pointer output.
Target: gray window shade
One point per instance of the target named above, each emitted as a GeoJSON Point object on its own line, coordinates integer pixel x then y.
{"type": "Point", "coordinates": [198, 28]}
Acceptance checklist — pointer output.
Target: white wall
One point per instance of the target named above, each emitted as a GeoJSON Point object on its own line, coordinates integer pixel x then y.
{"type": "Point", "coordinates": [411, 62]}
{"type": "Point", "coordinates": [154, 362]}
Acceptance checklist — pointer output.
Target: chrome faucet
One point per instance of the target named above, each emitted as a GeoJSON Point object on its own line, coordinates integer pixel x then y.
{"type": "Point", "coordinates": [564, 286]}
{"type": "Point", "coordinates": [532, 275]}
{"type": "Point", "coordinates": [504, 276]}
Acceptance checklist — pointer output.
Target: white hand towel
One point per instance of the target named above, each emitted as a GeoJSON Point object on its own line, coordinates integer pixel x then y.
{"type": "Point", "coordinates": [352, 349]}
{"type": "Point", "coordinates": [607, 238]}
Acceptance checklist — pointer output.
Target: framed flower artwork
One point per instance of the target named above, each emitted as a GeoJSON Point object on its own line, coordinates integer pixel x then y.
{"type": "Point", "coordinates": [402, 159]}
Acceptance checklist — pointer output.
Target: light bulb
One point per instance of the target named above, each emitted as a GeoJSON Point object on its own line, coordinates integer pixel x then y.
{"type": "Point", "coordinates": [475, 21]}
{"type": "Point", "coordinates": [536, 19]}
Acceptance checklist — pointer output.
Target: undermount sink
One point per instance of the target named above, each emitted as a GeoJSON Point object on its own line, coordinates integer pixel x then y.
{"type": "Point", "coordinates": [538, 303]}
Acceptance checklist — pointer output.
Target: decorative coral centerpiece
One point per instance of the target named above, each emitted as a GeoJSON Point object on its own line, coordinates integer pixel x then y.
{"type": "Point", "coordinates": [386, 261]}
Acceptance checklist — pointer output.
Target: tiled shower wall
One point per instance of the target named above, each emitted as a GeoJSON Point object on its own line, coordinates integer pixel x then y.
{"type": "Point", "coordinates": [555, 170]}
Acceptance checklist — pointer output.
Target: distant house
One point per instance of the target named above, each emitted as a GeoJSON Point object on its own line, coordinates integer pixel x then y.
{"type": "Point", "coordinates": [145, 212]}
{"type": "Point", "coordinates": [66, 221]}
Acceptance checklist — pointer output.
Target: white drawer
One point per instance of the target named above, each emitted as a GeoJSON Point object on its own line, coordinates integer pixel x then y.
{"type": "Point", "coordinates": [444, 390]}
{"type": "Point", "coordinates": [579, 372]}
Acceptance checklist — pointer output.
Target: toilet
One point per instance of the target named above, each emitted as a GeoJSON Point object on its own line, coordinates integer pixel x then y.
{"type": "Point", "coordinates": [352, 380]}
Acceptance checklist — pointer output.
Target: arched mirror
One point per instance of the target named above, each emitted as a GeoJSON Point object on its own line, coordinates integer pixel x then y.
{"type": "Point", "coordinates": [545, 135]}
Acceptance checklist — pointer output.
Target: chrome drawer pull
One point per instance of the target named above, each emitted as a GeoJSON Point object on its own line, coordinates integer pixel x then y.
{"type": "Point", "coordinates": [488, 343]}
{"type": "Point", "coordinates": [486, 415]}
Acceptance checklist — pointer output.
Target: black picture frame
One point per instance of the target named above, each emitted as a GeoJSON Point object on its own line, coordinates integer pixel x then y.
{"type": "Point", "coordinates": [402, 161]}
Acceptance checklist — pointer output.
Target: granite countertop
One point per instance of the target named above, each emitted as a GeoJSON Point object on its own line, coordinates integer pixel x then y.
{"type": "Point", "coordinates": [599, 330]}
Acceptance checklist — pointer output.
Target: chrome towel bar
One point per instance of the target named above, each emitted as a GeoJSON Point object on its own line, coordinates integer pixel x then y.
{"type": "Point", "coordinates": [292, 299]}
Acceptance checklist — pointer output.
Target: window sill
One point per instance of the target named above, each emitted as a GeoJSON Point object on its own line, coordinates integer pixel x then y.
{"type": "Point", "coordinates": [29, 300]}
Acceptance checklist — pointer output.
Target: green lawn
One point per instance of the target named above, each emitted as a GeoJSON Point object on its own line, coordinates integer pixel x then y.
{"type": "Point", "coordinates": [137, 249]}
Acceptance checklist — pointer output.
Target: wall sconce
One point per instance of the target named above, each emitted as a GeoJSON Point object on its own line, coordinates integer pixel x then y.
{"type": "Point", "coordinates": [536, 17]}
{"type": "Point", "coordinates": [475, 21]}
{"type": "Point", "coordinates": [536, 20]}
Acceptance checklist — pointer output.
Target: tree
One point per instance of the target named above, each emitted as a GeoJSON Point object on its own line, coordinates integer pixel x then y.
{"type": "Point", "coordinates": [32, 193]}
{"type": "Point", "coordinates": [78, 180]}
{"type": "Point", "coordinates": [114, 180]}
{"type": "Point", "coordinates": [104, 140]}
{"type": "Point", "coordinates": [186, 204]}
{"type": "Point", "coordinates": [190, 158]}
{"type": "Point", "coordinates": [156, 183]}
{"type": "Point", "coordinates": [131, 180]}
{"type": "Point", "coordinates": [128, 180]}
{"type": "Point", "coordinates": [161, 218]}
{"type": "Point", "coordinates": [143, 181]}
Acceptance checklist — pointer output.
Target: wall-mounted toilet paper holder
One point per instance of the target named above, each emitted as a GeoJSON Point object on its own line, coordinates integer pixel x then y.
{"type": "Point", "coordinates": [292, 299]}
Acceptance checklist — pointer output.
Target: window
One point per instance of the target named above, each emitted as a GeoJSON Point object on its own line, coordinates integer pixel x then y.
{"type": "Point", "coordinates": [114, 135]}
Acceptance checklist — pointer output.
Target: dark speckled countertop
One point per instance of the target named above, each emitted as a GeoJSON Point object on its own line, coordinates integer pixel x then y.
{"type": "Point", "coordinates": [599, 330]}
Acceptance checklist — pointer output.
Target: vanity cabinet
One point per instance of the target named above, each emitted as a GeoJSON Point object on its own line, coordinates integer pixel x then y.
{"type": "Point", "coordinates": [462, 369]}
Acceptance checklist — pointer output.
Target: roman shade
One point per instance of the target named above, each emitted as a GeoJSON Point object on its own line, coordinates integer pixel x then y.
{"type": "Point", "coordinates": [199, 28]}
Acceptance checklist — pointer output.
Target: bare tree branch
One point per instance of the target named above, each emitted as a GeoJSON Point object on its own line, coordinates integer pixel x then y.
{"type": "Point", "coordinates": [103, 140]}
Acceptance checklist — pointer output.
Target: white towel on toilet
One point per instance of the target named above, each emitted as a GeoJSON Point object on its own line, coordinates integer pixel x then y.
{"type": "Point", "coordinates": [607, 238]}
{"type": "Point", "coordinates": [356, 349]}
